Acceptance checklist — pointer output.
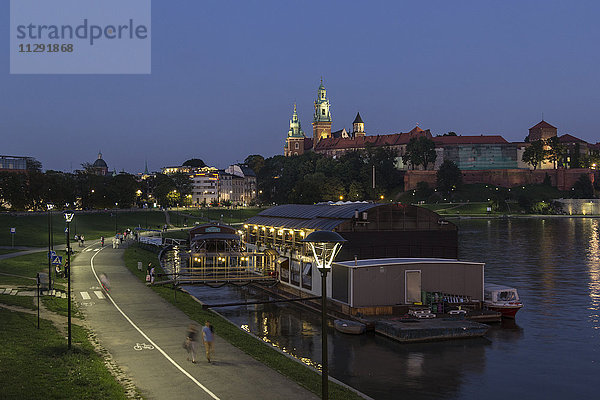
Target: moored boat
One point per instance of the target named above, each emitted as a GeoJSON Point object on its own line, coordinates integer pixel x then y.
{"type": "Point", "coordinates": [503, 299]}
{"type": "Point", "coordinates": [350, 327]}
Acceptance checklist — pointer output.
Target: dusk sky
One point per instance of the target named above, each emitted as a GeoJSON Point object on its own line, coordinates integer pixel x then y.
{"type": "Point", "coordinates": [225, 76]}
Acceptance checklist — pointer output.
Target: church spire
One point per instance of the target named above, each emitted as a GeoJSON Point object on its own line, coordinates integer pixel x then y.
{"type": "Point", "coordinates": [295, 128]}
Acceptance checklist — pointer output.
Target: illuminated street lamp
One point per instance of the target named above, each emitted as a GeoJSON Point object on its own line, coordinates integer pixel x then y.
{"type": "Point", "coordinates": [324, 245]}
{"type": "Point", "coordinates": [69, 217]}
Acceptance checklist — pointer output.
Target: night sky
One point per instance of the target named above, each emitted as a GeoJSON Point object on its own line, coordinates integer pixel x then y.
{"type": "Point", "coordinates": [225, 77]}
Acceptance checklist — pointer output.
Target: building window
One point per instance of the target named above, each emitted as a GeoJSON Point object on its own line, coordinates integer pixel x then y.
{"type": "Point", "coordinates": [296, 144]}
{"type": "Point", "coordinates": [322, 111]}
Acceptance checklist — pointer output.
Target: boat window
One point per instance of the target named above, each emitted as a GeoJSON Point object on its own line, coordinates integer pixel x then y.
{"type": "Point", "coordinates": [507, 296]}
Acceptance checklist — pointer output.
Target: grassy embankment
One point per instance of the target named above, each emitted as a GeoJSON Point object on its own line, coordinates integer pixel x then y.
{"type": "Point", "coordinates": [37, 363]}
{"type": "Point", "coordinates": [234, 335]}
{"type": "Point", "coordinates": [474, 199]}
{"type": "Point", "coordinates": [226, 215]}
{"type": "Point", "coordinates": [32, 229]}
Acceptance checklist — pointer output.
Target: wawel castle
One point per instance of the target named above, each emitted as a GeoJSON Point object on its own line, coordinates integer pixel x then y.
{"type": "Point", "coordinates": [477, 152]}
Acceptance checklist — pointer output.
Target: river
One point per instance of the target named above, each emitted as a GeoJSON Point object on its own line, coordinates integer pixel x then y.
{"type": "Point", "coordinates": [551, 351]}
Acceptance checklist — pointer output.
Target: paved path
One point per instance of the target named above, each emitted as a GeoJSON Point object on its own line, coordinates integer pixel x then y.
{"type": "Point", "coordinates": [133, 316]}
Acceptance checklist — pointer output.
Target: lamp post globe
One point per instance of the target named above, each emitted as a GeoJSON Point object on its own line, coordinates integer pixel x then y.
{"type": "Point", "coordinates": [324, 245]}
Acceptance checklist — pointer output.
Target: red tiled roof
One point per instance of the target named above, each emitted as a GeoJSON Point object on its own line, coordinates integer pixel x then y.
{"type": "Point", "coordinates": [361, 142]}
{"type": "Point", "coordinates": [488, 139]}
{"type": "Point", "coordinates": [416, 130]}
{"type": "Point", "coordinates": [570, 139]}
{"type": "Point", "coordinates": [542, 124]}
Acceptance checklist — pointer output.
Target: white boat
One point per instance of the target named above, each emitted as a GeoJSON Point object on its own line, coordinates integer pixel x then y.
{"type": "Point", "coordinates": [503, 299]}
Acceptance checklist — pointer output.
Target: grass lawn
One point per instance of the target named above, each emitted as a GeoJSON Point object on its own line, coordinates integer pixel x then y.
{"type": "Point", "coordinates": [234, 335]}
{"type": "Point", "coordinates": [28, 265]}
{"type": "Point", "coordinates": [230, 216]}
{"type": "Point", "coordinates": [37, 364]}
{"type": "Point", "coordinates": [60, 306]}
{"type": "Point", "coordinates": [32, 229]}
{"type": "Point", "coordinates": [21, 301]}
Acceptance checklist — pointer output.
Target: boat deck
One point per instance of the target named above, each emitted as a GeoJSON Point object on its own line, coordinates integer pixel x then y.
{"type": "Point", "coordinates": [422, 330]}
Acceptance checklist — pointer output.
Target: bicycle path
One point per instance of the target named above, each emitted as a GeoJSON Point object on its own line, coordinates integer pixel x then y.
{"type": "Point", "coordinates": [132, 316]}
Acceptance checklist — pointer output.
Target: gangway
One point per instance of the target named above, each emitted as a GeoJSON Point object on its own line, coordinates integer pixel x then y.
{"type": "Point", "coordinates": [185, 267]}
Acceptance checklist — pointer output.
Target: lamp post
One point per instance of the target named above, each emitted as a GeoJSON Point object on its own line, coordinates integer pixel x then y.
{"type": "Point", "coordinates": [324, 245]}
{"type": "Point", "coordinates": [49, 206]}
{"type": "Point", "coordinates": [69, 217]}
{"type": "Point", "coordinates": [116, 217]}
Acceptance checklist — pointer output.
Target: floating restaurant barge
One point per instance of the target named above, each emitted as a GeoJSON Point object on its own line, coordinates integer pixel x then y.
{"type": "Point", "coordinates": [396, 256]}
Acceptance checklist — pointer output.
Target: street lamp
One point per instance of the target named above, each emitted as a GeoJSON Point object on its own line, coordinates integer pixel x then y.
{"type": "Point", "coordinates": [324, 245]}
{"type": "Point", "coordinates": [69, 217]}
{"type": "Point", "coordinates": [50, 207]}
{"type": "Point", "coordinates": [116, 217]}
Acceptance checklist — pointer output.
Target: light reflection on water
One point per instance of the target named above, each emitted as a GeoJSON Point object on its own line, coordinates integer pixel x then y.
{"type": "Point", "coordinates": [551, 351]}
{"type": "Point", "coordinates": [593, 258]}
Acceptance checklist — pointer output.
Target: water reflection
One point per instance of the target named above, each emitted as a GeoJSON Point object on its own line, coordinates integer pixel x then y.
{"type": "Point", "coordinates": [593, 257]}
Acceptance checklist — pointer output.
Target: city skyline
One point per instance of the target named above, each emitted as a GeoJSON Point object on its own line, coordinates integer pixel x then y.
{"type": "Point", "coordinates": [224, 88]}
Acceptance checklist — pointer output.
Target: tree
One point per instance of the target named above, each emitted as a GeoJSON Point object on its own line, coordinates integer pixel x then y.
{"type": "Point", "coordinates": [33, 165]}
{"type": "Point", "coordinates": [255, 162]}
{"type": "Point", "coordinates": [451, 133]}
{"type": "Point", "coordinates": [448, 176]}
{"type": "Point", "coordinates": [583, 188]}
{"type": "Point", "coordinates": [194, 163]}
{"type": "Point", "coordinates": [534, 154]}
{"type": "Point", "coordinates": [183, 183]}
{"type": "Point", "coordinates": [557, 151]}
{"type": "Point", "coordinates": [163, 185]}
{"type": "Point", "coordinates": [420, 151]}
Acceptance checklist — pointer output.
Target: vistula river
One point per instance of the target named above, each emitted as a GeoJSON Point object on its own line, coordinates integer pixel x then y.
{"type": "Point", "coordinates": [551, 351]}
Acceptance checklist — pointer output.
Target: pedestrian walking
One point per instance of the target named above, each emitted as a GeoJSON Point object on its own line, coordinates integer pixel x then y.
{"type": "Point", "coordinates": [82, 240]}
{"type": "Point", "coordinates": [102, 241]}
{"type": "Point", "coordinates": [191, 342]}
{"type": "Point", "coordinates": [152, 275]}
{"type": "Point", "coordinates": [208, 338]}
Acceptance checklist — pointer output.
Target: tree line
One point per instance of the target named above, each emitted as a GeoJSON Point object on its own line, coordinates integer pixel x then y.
{"type": "Point", "coordinates": [313, 177]}
{"type": "Point", "coordinates": [34, 189]}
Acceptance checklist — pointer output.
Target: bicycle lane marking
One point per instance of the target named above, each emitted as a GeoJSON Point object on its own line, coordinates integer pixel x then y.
{"type": "Point", "coordinates": [157, 347]}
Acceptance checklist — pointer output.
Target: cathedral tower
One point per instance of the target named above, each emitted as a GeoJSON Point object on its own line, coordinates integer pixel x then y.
{"type": "Point", "coordinates": [294, 143]}
{"type": "Point", "coordinates": [322, 118]}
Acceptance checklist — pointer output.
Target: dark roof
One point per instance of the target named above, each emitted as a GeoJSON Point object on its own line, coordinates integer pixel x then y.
{"type": "Point", "coordinates": [488, 139]}
{"type": "Point", "coordinates": [358, 119]}
{"type": "Point", "coordinates": [318, 216]}
{"type": "Point", "coordinates": [570, 139]}
{"type": "Point", "coordinates": [337, 134]}
{"type": "Point", "coordinates": [308, 144]}
{"type": "Point", "coordinates": [246, 170]}
{"type": "Point", "coordinates": [542, 124]}
{"type": "Point", "coordinates": [99, 163]}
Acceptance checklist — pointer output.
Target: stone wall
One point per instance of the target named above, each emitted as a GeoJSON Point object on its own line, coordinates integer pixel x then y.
{"type": "Point", "coordinates": [563, 179]}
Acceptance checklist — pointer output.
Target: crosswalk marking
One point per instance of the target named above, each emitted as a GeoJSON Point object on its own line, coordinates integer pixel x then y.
{"type": "Point", "coordinates": [98, 294]}
{"type": "Point", "coordinates": [85, 295]}
{"type": "Point", "coordinates": [6, 291]}
{"type": "Point", "coordinates": [88, 249]}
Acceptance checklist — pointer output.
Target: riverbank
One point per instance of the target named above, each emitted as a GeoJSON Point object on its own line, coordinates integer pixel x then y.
{"type": "Point", "coordinates": [251, 345]}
